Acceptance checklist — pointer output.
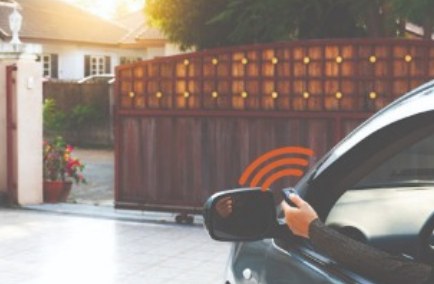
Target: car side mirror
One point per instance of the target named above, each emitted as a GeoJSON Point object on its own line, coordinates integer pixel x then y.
{"type": "Point", "coordinates": [244, 214]}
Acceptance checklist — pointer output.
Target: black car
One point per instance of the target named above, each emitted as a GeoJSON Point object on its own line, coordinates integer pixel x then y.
{"type": "Point", "coordinates": [376, 186]}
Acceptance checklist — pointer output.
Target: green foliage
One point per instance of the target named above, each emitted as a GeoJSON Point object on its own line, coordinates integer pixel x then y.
{"type": "Point", "coordinates": [277, 20]}
{"type": "Point", "coordinates": [57, 122]}
{"type": "Point", "coordinates": [256, 21]}
{"type": "Point", "coordinates": [81, 115]}
{"type": "Point", "coordinates": [321, 19]}
{"type": "Point", "coordinates": [206, 24]}
{"type": "Point", "coordinates": [375, 17]}
{"type": "Point", "coordinates": [416, 10]}
{"type": "Point", "coordinates": [420, 12]}
{"type": "Point", "coordinates": [186, 22]}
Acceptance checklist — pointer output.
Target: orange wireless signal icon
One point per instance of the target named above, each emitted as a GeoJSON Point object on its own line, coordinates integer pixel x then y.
{"type": "Point", "coordinates": [276, 164]}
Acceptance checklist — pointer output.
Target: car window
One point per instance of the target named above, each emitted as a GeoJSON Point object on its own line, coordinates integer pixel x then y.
{"type": "Point", "coordinates": [411, 167]}
{"type": "Point", "coordinates": [377, 211]}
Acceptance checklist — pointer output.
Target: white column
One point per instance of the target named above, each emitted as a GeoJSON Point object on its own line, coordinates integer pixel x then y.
{"type": "Point", "coordinates": [29, 123]}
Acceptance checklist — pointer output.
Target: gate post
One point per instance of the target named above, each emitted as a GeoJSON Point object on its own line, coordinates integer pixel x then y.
{"type": "Point", "coordinates": [21, 123]}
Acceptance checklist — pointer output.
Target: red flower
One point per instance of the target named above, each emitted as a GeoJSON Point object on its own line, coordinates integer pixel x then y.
{"type": "Point", "coordinates": [58, 162]}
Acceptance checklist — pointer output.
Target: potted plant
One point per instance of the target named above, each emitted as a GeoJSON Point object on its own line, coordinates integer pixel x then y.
{"type": "Point", "coordinates": [60, 170]}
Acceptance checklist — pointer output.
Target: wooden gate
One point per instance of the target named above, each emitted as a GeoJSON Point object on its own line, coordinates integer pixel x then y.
{"type": "Point", "coordinates": [11, 134]}
{"type": "Point", "coordinates": [189, 125]}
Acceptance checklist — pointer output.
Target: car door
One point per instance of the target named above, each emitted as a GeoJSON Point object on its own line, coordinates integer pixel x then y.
{"type": "Point", "coordinates": [361, 188]}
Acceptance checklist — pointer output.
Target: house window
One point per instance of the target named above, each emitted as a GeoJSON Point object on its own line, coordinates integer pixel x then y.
{"type": "Point", "coordinates": [46, 62]}
{"type": "Point", "coordinates": [50, 65]}
{"type": "Point", "coordinates": [96, 65]}
{"type": "Point", "coordinates": [129, 59]}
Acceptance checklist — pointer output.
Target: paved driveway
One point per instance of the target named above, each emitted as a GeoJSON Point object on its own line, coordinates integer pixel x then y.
{"type": "Point", "coordinates": [80, 243]}
{"type": "Point", "coordinates": [99, 171]}
{"type": "Point", "coordinates": [48, 248]}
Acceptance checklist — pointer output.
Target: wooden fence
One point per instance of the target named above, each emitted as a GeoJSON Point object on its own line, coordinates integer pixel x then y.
{"type": "Point", "coordinates": [97, 95]}
{"type": "Point", "coordinates": [188, 125]}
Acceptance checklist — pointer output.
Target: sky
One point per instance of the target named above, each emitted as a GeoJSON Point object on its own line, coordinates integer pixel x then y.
{"type": "Point", "coordinates": [109, 8]}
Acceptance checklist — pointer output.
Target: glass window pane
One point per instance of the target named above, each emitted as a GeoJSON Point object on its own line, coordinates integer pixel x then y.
{"type": "Point", "coordinates": [415, 164]}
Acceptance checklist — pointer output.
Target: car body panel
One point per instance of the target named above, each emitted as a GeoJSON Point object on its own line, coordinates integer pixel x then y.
{"type": "Point", "coordinates": [280, 258]}
{"type": "Point", "coordinates": [246, 261]}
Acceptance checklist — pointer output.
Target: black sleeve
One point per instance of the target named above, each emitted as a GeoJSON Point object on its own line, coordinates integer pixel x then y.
{"type": "Point", "coordinates": [431, 277]}
{"type": "Point", "coordinates": [367, 260]}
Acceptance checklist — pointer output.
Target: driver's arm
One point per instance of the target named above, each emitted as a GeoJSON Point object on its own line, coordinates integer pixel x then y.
{"type": "Point", "coordinates": [363, 259]}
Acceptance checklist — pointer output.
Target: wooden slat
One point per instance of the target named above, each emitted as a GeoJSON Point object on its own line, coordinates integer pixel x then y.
{"type": "Point", "coordinates": [182, 160]}
{"type": "Point", "coordinates": [199, 119]}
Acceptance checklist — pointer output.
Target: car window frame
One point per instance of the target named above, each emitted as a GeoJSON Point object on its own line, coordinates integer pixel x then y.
{"type": "Point", "coordinates": [324, 190]}
{"type": "Point", "coordinates": [372, 125]}
{"type": "Point", "coordinates": [304, 249]}
{"type": "Point", "coordinates": [405, 107]}
{"type": "Point", "coordinates": [310, 186]}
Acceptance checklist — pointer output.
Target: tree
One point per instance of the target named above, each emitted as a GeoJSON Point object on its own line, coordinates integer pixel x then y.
{"type": "Point", "coordinates": [375, 17]}
{"type": "Point", "coordinates": [320, 19]}
{"type": "Point", "coordinates": [214, 23]}
{"type": "Point", "coordinates": [256, 21]}
{"type": "Point", "coordinates": [420, 12]}
{"type": "Point", "coordinates": [185, 22]}
{"type": "Point", "coordinates": [273, 20]}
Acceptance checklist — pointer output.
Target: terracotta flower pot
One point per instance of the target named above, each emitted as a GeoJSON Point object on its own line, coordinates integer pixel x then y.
{"type": "Point", "coordinates": [56, 191]}
{"type": "Point", "coordinates": [66, 190]}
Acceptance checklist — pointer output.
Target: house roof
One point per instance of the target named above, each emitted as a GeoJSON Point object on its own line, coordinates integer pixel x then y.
{"type": "Point", "coordinates": [415, 30]}
{"type": "Point", "coordinates": [58, 20]}
{"type": "Point", "coordinates": [139, 30]}
{"type": "Point", "coordinates": [132, 20]}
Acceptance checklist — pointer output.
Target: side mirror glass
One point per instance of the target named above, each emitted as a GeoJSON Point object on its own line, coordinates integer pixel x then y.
{"type": "Point", "coordinates": [245, 214]}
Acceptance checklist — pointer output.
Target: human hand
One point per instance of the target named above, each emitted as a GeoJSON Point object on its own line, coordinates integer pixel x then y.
{"type": "Point", "coordinates": [299, 218]}
{"type": "Point", "coordinates": [224, 207]}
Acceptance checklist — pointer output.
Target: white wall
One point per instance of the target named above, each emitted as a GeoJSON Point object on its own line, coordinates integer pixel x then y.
{"type": "Point", "coordinates": [27, 136]}
{"type": "Point", "coordinates": [172, 49]}
{"type": "Point", "coordinates": [29, 131]}
{"type": "Point", "coordinates": [71, 57]}
{"type": "Point", "coordinates": [153, 52]}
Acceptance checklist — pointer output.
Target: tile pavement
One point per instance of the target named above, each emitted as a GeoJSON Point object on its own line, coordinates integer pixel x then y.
{"type": "Point", "coordinates": [87, 241]}
{"type": "Point", "coordinates": [57, 246]}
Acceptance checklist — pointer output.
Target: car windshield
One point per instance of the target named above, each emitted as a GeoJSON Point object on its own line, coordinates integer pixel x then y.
{"type": "Point", "coordinates": [413, 166]}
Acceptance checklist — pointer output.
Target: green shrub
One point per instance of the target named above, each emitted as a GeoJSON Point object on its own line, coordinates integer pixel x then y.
{"type": "Point", "coordinates": [81, 115]}
{"type": "Point", "coordinates": [55, 120]}
{"type": "Point", "coordinates": [58, 122]}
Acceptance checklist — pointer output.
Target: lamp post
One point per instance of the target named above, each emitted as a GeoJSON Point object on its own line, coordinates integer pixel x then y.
{"type": "Point", "coordinates": [15, 20]}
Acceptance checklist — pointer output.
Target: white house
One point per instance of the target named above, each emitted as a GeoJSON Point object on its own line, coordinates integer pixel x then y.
{"type": "Point", "coordinates": [145, 36]}
{"type": "Point", "coordinates": [77, 43]}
